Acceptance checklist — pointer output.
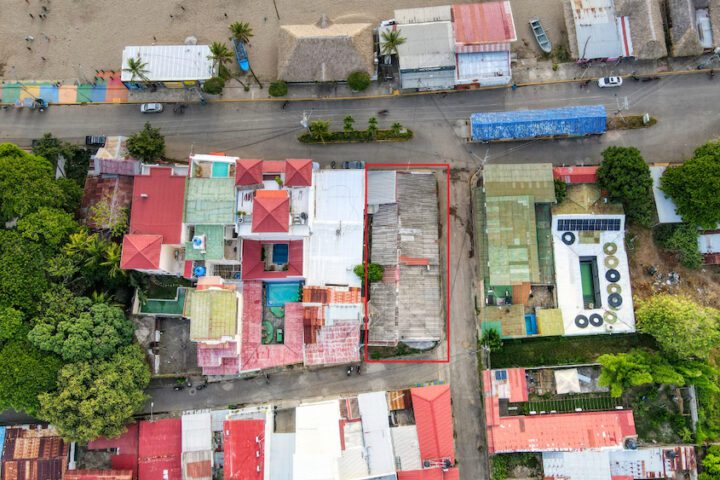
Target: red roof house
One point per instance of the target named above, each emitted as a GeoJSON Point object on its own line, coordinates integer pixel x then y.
{"type": "Point", "coordinates": [433, 418]}
{"type": "Point", "coordinates": [160, 450]}
{"type": "Point", "coordinates": [271, 211]}
{"type": "Point", "coordinates": [157, 205]}
{"type": "Point", "coordinates": [477, 24]}
{"type": "Point", "coordinates": [126, 447]}
{"type": "Point", "coordinates": [253, 266]}
{"type": "Point", "coordinates": [141, 252]}
{"type": "Point", "coordinates": [248, 172]}
{"type": "Point", "coordinates": [244, 444]}
{"type": "Point", "coordinates": [430, 474]}
{"type": "Point", "coordinates": [35, 453]}
{"type": "Point", "coordinates": [98, 475]}
{"type": "Point", "coordinates": [298, 173]}
{"type": "Point", "coordinates": [576, 174]}
{"type": "Point", "coordinates": [273, 166]}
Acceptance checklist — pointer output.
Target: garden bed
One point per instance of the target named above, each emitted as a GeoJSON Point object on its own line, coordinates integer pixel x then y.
{"type": "Point", "coordinates": [629, 122]}
{"type": "Point", "coordinates": [358, 136]}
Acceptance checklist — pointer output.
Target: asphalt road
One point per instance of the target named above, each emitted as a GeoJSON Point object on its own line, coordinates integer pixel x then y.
{"type": "Point", "coordinates": [685, 106]}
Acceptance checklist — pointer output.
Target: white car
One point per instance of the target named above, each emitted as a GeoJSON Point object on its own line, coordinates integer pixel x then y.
{"type": "Point", "coordinates": [606, 82]}
{"type": "Point", "coordinates": [151, 108]}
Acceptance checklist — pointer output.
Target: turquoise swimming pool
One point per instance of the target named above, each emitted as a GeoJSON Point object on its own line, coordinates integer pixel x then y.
{"type": "Point", "coordinates": [278, 294]}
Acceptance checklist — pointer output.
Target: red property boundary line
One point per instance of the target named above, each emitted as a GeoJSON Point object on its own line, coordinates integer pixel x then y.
{"type": "Point", "coordinates": [366, 255]}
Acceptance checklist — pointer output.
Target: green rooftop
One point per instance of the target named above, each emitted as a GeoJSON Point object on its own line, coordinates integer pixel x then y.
{"type": "Point", "coordinates": [167, 307]}
{"type": "Point", "coordinates": [550, 322]}
{"type": "Point", "coordinates": [210, 201]}
{"type": "Point", "coordinates": [512, 240]}
{"type": "Point", "coordinates": [214, 243]}
{"type": "Point", "coordinates": [533, 179]}
{"type": "Point", "coordinates": [213, 313]}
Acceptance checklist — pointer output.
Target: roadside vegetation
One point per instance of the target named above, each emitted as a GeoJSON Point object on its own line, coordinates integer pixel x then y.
{"type": "Point", "coordinates": [319, 132]}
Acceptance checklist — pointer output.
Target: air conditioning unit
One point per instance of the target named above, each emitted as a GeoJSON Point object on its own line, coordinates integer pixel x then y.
{"type": "Point", "coordinates": [199, 242]}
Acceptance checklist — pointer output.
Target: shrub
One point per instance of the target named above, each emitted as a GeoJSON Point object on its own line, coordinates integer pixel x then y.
{"type": "Point", "coordinates": [560, 190]}
{"type": "Point", "coordinates": [214, 86]}
{"type": "Point", "coordinates": [278, 89]}
{"type": "Point", "coordinates": [375, 272]}
{"type": "Point", "coordinates": [491, 338]}
{"type": "Point", "coordinates": [625, 175]}
{"type": "Point", "coordinates": [358, 81]}
{"type": "Point", "coordinates": [682, 239]}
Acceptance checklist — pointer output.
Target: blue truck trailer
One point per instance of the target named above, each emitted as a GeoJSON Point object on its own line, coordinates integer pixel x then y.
{"type": "Point", "coordinates": [577, 121]}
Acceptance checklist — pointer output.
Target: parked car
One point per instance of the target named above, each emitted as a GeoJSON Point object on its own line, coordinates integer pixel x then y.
{"type": "Point", "coordinates": [354, 164]}
{"type": "Point", "coordinates": [151, 108]}
{"type": "Point", "coordinates": [607, 82]}
{"type": "Point", "coordinates": [95, 140]}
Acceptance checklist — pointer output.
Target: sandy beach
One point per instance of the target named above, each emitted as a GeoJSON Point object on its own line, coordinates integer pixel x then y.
{"type": "Point", "coordinates": [72, 39]}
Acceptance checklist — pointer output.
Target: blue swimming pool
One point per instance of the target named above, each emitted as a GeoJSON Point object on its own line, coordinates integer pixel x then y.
{"type": "Point", "coordinates": [278, 294]}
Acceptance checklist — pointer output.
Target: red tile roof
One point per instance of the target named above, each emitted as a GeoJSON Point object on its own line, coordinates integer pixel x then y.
{"type": "Point", "coordinates": [550, 432]}
{"type": "Point", "coordinates": [157, 206]}
{"type": "Point", "coordinates": [482, 23]}
{"type": "Point", "coordinates": [244, 455]}
{"type": "Point", "coordinates": [430, 474]}
{"type": "Point", "coordinates": [98, 475]}
{"type": "Point", "coordinates": [433, 417]}
{"type": "Point", "coordinates": [160, 450]}
{"type": "Point", "coordinates": [248, 172]}
{"type": "Point", "coordinates": [254, 355]}
{"type": "Point", "coordinates": [271, 211]}
{"type": "Point", "coordinates": [141, 252]}
{"type": "Point", "coordinates": [253, 267]}
{"type": "Point", "coordinates": [334, 344]}
{"type": "Point", "coordinates": [116, 190]}
{"type": "Point", "coordinates": [298, 173]}
{"type": "Point", "coordinates": [326, 295]}
{"type": "Point", "coordinates": [576, 174]}
{"type": "Point", "coordinates": [273, 166]}
{"type": "Point", "coordinates": [414, 261]}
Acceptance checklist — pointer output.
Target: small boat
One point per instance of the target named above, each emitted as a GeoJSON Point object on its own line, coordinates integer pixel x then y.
{"type": "Point", "coordinates": [540, 36]}
{"type": "Point", "coordinates": [241, 56]}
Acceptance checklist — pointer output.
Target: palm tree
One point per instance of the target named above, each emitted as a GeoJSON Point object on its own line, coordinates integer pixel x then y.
{"type": "Point", "coordinates": [319, 129]}
{"type": "Point", "coordinates": [372, 128]}
{"type": "Point", "coordinates": [348, 124]}
{"type": "Point", "coordinates": [390, 42]}
{"type": "Point", "coordinates": [241, 31]}
{"type": "Point", "coordinates": [113, 252]}
{"type": "Point", "coordinates": [395, 128]}
{"type": "Point", "coordinates": [219, 53]}
{"type": "Point", "coordinates": [137, 69]}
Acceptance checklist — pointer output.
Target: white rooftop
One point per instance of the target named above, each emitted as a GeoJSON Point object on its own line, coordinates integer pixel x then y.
{"type": "Point", "coordinates": [407, 447]}
{"type": "Point", "coordinates": [581, 465]}
{"type": "Point", "coordinates": [423, 14]}
{"type": "Point", "coordinates": [593, 245]}
{"type": "Point", "coordinates": [196, 432]}
{"type": "Point", "coordinates": [376, 432]}
{"type": "Point", "coordinates": [282, 446]}
{"type": "Point", "coordinates": [170, 63]}
{"type": "Point", "coordinates": [665, 205]}
{"type": "Point", "coordinates": [427, 45]}
{"type": "Point", "coordinates": [317, 441]}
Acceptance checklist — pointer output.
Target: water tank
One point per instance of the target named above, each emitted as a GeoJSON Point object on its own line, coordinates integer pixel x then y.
{"type": "Point", "coordinates": [199, 271]}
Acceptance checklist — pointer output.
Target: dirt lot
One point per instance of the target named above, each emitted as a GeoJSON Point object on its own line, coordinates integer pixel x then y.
{"type": "Point", "coordinates": [702, 285]}
{"type": "Point", "coordinates": [74, 38]}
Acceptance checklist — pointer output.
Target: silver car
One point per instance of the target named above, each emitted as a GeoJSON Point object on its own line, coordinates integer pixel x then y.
{"type": "Point", "coordinates": [606, 82]}
{"type": "Point", "coordinates": [151, 108]}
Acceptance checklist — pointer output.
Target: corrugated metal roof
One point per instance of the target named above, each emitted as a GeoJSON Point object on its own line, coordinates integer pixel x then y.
{"type": "Point", "coordinates": [428, 80]}
{"type": "Point", "coordinates": [665, 206]}
{"type": "Point", "coordinates": [573, 175]}
{"type": "Point", "coordinates": [430, 474]}
{"type": "Point", "coordinates": [483, 23]}
{"type": "Point", "coordinates": [486, 68]}
{"type": "Point", "coordinates": [573, 121]}
{"type": "Point", "coordinates": [535, 180]}
{"type": "Point", "coordinates": [317, 440]}
{"type": "Point", "coordinates": [196, 432]}
{"type": "Point", "coordinates": [170, 62]}
{"type": "Point", "coordinates": [423, 14]}
{"type": "Point", "coordinates": [427, 46]}
{"type": "Point", "coordinates": [549, 321]}
{"type": "Point", "coordinates": [406, 447]}
{"type": "Point", "coordinates": [433, 417]}
{"type": "Point", "coordinates": [213, 314]}
{"type": "Point", "coordinates": [376, 432]}
{"type": "Point", "coordinates": [197, 465]}
{"type": "Point", "coordinates": [381, 188]}
{"type": "Point", "coordinates": [157, 204]}
{"type": "Point", "coordinates": [244, 445]}
{"type": "Point", "coordinates": [600, 34]}
{"type": "Point", "coordinates": [160, 449]}
{"type": "Point", "coordinates": [98, 475]}
{"type": "Point", "coordinates": [210, 201]}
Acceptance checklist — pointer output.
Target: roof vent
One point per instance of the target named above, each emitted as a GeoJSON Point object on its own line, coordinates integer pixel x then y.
{"type": "Point", "coordinates": [324, 22]}
{"type": "Point", "coordinates": [144, 195]}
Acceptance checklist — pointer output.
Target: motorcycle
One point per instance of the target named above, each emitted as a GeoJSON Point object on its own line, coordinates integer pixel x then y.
{"type": "Point", "coordinates": [179, 108]}
{"type": "Point", "coordinates": [349, 371]}
{"type": "Point", "coordinates": [382, 113]}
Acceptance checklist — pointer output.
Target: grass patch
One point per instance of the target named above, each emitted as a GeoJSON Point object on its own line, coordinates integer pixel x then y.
{"type": "Point", "coordinates": [358, 136]}
{"type": "Point", "coordinates": [539, 352]}
{"type": "Point", "coordinates": [503, 465]}
{"type": "Point", "coordinates": [629, 122]}
{"type": "Point", "coordinates": [164, 288]}
{"type": "Point", "coordinates": [401, 350]}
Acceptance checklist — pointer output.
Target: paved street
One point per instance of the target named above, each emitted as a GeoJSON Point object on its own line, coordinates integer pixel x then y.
{"type": "Point", "coordinates": [684, 106]}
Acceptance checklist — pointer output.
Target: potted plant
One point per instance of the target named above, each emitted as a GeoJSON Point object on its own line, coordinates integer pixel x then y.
{"type": "Point", "coordinates": [241, 215]}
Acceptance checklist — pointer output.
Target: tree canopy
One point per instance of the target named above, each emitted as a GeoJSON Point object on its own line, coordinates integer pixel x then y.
{"type": "Point", "coordinates": [11, 324]}
{"type": "Point", "coordinates": [27, 182]}
{"type": "Point", "coordinates": [77, 329]}
{"type": "Point", "coordinates": [26, 372]}
{"type": "Point", "coordinates": [625, 175]}
{"type": "Point", "coordinates": [638, 367]}
{"type": "Point", "coordinates": [97, 398]}
{"type": "Point", "coordinates": [49, 226]}
{"type": "Point", "coordinates": [22, 277]}
{"type": "Point", "coordinates": [374, 273]}
{"type": "Point", "coordinates": [147, 144]}
{"type": "Point", "coordinates": [77, 158]}
{"type": "Point", "coordinates": [694, 186]}
{"type": "Point", "coordinates": [682, 328]}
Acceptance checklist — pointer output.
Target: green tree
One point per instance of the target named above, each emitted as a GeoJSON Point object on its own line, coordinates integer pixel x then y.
{"type": "Point", "coordinates": [220, 54]}
{"type": "Point", "coordinates": [359, 80]}
{"type": "Point", "coordinates": [636, 368]}
{"type": "Point", "coordinates": [147, 144]}
{"type": "Point", "coordinates": [77, 158]}
{"type": "Point", "coordinates": [26, 372]}
{"type": "Point", "coordinates": [137, 69]}
{"type": "Point", "coordinates": [278, 89]}
{"type": "Point", "coordinates": [97, 398]}
{"type": "Point", "coordinates": [72, 193]}
{"type": "Point", "coordinates": [560, 190]}
{"type": "Point", "coordinates": [372, 128]}
{"type": "Point", "coordinates": [214, 86]}
{"type": "Point", "coordinates": [348, 123]}
{"type": "Point", "coordinates": [319, 130]}
{"type": "Point", "coordinates": [27, 182]}
{"type": "Point", "coordinates": [241, 31]}
{"type": "Point", "coordinates": [48, 226]}
{"type": "Point", "coordinates": [78, 330]}
{"type": "Point", "coordinates": [711, 463]}
{"type": "Point", "coordinates": [107, 216]}
{"type": "Point", "coordinates": [375, 272]}
{"type": "Point", "coordinates": [683, 240]}
{"type": "Point", "coordinates": [491, 338]}
{"type": "Point", "coordinates": [682, 328]}
{"type": "Point", "coordinates": [694, 186]}
{"type": "Point", "coordinates": [396, 128]}
{"type": "Point", "coordinates": [22, 277]}
{"type": "Point", "coordinates": [390, 40]}
{"type": "Point", "coordinates": [625, 175]}
{"type": "Point", "coordinates": [11, 324]}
